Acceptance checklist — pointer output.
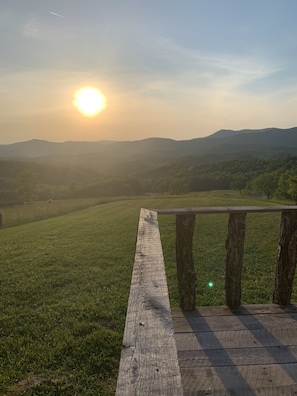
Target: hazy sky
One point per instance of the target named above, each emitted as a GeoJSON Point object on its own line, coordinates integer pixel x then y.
{"type": "Point", "coordinates": [168, 68]}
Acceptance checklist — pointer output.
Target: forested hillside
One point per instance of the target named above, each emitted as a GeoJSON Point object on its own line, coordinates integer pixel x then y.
{"type": "Point", "coordinates": [128, 158]}
{"type": "Point", "coordinates": [254, 161]}
{"type": "Point", "coordinates": [30, 181]}
{"type": "Point", "coordinates": [262, 176]}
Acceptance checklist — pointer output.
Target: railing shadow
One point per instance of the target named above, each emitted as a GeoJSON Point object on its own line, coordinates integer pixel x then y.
{"type": "Point", "coordinates": [232, 382]}
{"type": "Point", "coordinates": [279, 352]}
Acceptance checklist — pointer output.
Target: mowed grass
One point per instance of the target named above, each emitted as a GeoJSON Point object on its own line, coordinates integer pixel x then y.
{"type": "Point", "coordinates": [34, 211]}
{"type": "Point", "coordinates": [65, 283]}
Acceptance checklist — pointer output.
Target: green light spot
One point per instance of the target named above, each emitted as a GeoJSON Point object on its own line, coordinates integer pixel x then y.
{"type": "Point", "coordinates": [210, 284]}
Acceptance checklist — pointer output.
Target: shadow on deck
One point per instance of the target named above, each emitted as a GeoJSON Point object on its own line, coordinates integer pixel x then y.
{"type": "Point", "coordinates": [249, 350]}
{"type": "Point", "coordinates": [227, 350]}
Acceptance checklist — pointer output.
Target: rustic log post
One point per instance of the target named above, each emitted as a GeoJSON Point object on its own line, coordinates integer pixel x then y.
{"type": "Point", "coordinates": [184, 261]}
{"type": "Point", "coordinates": [286, 261]}
{"type": "Point", "coordinates": [234, 246]}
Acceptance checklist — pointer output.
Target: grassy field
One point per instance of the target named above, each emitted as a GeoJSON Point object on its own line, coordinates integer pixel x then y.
{"type": "Point", "coordinates": [65, 280]}
{"type": "Point", "coordinates": [22, 214]}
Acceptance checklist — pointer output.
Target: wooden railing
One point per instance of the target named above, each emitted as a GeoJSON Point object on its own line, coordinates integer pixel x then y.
{"type": "Point", "coordinates": [149, 364]}
{"type": "Point", "coordinates": [286, 260]}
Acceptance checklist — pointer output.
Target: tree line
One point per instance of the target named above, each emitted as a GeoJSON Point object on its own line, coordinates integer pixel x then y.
{"type": "Point", "coordinates": [269, 177]}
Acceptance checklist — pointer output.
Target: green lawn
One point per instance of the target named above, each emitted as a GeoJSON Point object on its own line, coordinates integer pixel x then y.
{"type": "Point", "coordinates": [65, 283]}
{"type": "Point", "coordinates": [22, 214]}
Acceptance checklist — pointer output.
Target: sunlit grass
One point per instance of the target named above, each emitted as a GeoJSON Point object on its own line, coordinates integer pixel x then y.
{"type": "Point", "coordinates": [26, 213]}
{"type": "Point", "coordinates": [65, 283]}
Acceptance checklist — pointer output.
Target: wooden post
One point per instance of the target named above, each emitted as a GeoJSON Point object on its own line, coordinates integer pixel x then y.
{"type": "Point", "coordinates": [184, 261]}
{"type": "Point", "coordinates": [286, 261]}
{"type": "Point", "coordinates": [234, 247]}
{"type": "Point", "coordinates": [0, 219]}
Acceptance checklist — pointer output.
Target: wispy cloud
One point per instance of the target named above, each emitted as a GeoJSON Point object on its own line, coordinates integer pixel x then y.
{"type": "Point", "coordinates": [223, 67]}
{"type": "Point", "coordinates": [186, 75]}
{"type": "Point", "coordinates": [57, 15]}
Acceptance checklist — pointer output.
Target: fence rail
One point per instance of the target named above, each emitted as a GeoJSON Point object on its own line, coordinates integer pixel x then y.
{"type": "Point", "coordinates": [149, 362]}
{"type": "Point", "coordinates": [286, 260]}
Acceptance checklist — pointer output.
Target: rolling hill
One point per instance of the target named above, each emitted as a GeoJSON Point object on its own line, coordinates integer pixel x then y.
{"type": "Point", "coordinates": [133, 157]}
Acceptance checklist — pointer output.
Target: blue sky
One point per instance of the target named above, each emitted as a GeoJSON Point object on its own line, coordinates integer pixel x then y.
{"type": "Point", "coordinates": [168, 68]}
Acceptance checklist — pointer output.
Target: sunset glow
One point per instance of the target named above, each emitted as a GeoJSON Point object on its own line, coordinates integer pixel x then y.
{"type": "Point", "coordinates": [184, 74]}
{"type": "Point", "coordinates": [89, 101]}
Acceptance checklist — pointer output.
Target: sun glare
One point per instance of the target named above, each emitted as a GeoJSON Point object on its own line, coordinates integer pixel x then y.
{"type": "Point", "coordinates": [89, 101]}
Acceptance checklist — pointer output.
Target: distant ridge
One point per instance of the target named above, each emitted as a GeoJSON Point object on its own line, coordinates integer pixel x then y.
{"type": "Point", "coordinates": [115, 157]}
{"type": "Point", "coordinates": [222, 133]}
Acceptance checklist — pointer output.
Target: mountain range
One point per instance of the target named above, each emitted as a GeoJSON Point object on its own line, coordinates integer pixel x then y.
{"type": "Point", "coordinates": [134, 157]}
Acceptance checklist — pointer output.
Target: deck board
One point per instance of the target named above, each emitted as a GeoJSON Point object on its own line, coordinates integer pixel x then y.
{"type": "Point", "coordinates": [250, 350]}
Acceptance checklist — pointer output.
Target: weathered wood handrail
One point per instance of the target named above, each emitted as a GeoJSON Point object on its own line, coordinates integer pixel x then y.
{"type": "Point", "coordinates": [286, 261]}
{"type": "Point", "coordinates": [149, 364]}
{"type": "Point", "coordinates": [225, 209]}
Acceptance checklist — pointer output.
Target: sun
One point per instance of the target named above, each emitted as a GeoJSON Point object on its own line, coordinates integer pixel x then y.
{"type": "Point", "coordinates": [89, 101]}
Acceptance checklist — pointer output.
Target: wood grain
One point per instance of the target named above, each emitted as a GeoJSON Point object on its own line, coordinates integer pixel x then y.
{"type": "Point", "coordinates": [236, 339]}
{"type": "Point", "coordinates": [149, 364]}
{"type": "Point", "coordinates": [287, 256]}
{"type": "Point", "coordinates": [225, 209]}
{"type": "Point", "coordinates": [223, 310]}
{"type": "Point", "coordinates": [186, 276]}
{"type": "Point", "coordinates": [227, 350]}
{"type": "Point", "coordinates": [250, 350]}
{"type": "Point", "coordinates": [234, 247]}
{"type": "Point", "coordinates": [261, 380]}
{"type": "Point", "coordinates": [195, 323]}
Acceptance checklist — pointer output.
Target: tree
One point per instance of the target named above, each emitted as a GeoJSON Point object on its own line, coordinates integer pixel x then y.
{"type": "Point", "coordinates": [239, 182]}
{"type": "Point", "coordinates": [284, 185]}
{"type": "Point", "coordinates": [266, 183]}
{"type": "Point", "coordinates": [292, 191]}
{"type": "Point", "coordinates": [178, 186]}
{"type": "Point", "coordinates": [26, 185]}
{"type": "Point", "coordinates": [73, 186]}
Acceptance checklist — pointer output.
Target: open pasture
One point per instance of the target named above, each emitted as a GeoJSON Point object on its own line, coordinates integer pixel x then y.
{"type": "Point", "coordinates": [65, 283]}
{"type": "Point", "coordinates": [15, 215]}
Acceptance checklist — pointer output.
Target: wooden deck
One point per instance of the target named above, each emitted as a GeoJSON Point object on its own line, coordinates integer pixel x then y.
{"type": "Point", "coordinates": [249, 350]}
